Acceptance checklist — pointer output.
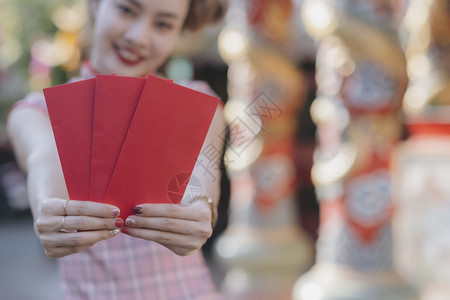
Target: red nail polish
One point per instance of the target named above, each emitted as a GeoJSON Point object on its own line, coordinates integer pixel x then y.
{"type": "Point", "coordinates": [116, 212]}
{"type": "Point", "coordinates": [124, 230]}
{"type": "Point", "coordinates": [138, 210]}
{"type": "Point", "coordinates": [130, 222]}
{"type": "Point", "coordinates": [119, 223]}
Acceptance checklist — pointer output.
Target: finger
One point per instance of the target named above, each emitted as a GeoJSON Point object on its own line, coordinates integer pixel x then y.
{"type": "Point", "coordinates": [55, 206]}
{"type": "Point", "coordinates": [185, 227]}
{"type": "Point", "coordinates": [86, 223]}
{"type": "Point", "coordinates": [168, 239]}
{"type": "Point", "coordinates": [64, 251]}
{"type": "Point", "coordinates": [93, 209]}
{"type": "Point", "coordinates": [76, 239]}
{"type": "Point", "coordinates": [193, 212]}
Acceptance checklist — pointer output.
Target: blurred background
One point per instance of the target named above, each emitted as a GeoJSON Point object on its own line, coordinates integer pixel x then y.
{"type": "Point", "coordinates": [337, 151]}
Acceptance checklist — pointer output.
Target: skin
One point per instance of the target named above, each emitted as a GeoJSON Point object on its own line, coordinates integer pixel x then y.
{"type": "Point", "coordinates": [146, 32]}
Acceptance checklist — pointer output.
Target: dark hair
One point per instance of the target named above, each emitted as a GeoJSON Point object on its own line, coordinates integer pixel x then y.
{"type": "Point", "coordinates": [203, 12]}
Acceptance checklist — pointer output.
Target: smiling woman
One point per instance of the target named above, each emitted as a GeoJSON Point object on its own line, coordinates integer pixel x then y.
{"type": "Point", "coordinates": [135, 37]}
{"type": "Point", "coordinates": [156, 256]}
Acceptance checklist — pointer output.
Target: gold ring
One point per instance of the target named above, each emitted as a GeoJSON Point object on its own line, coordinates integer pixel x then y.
{"type": "Point", "coordinates": [63, 224]}
{"type": "Point", "coordinates": [65, 207]}
{"type": "Point", "coordinates": [213, 208]}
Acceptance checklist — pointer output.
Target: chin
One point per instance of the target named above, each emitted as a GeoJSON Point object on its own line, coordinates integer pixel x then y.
{"type": "Point", "coordinates": [132, 72]}
{"type": "Point", "coordinates": [125, 72]}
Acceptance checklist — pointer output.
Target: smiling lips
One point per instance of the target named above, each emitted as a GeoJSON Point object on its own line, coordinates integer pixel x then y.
{"type": "Point", "coordinates": [128, 56]}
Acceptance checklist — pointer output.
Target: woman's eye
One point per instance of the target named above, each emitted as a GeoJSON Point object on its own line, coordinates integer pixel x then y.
{"type": "Point", "coordinates": [125, 10]}
{"type": "Point", "coordinates": [164, 25]}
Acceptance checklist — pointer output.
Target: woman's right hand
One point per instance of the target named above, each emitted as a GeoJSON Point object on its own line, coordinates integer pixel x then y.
{"type": "Point", "coordinates": [66, 226]}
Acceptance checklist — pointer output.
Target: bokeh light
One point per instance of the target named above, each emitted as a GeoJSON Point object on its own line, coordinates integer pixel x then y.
{"type": "Point", "coordinates": [233, 45]}
{"type": "Point", "coordinates": [318, 18]}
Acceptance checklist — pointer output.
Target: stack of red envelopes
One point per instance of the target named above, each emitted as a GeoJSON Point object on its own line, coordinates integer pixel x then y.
{"type": "Point", "coordinates": [122, 139]}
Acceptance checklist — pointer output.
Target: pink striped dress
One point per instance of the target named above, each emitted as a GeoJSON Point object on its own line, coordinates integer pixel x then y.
{"type": "Point", "coordinates": [128, 268]}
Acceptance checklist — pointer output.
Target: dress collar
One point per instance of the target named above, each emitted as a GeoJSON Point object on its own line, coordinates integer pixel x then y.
{"type": "Point", "coordinates": [87, 70]}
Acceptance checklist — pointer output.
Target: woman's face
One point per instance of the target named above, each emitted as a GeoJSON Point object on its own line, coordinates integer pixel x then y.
{"type": "Point", "coordinates": [135, 37]}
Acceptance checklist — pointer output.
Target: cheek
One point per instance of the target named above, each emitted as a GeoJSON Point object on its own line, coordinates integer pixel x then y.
{"type": "Point", "coordinates": [100, 50]}
{"type": "Point", "coordinates": [165, 46]}
{"type": "Point", "coordinates": [107, 27]}
{"type": "Point", "coordinates": [103, 35]}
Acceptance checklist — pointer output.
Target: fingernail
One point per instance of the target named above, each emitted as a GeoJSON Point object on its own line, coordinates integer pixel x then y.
{"type": "Point", "coordinates": [115, 212]}
{"type": "Point", "coordinates": [130, 222]}
{"type": "Point", "coordinates": [138, 210]}
{"type": "Point", "coordinates": [124, 230]}
{"type": "Point", "coordinates": [115, 231]}
{"type": "Point", "coordinates": [119, 222]}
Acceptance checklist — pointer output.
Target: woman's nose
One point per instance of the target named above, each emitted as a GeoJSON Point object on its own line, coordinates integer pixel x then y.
{"type": "Point", "coordinates": [139, 33]}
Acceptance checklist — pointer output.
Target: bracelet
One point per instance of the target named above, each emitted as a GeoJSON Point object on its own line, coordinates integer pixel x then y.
{"type": "Point", "coordinates": [213, 208]}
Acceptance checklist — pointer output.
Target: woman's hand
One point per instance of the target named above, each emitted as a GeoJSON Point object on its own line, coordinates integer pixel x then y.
{"type": "Point", "coordinates": [65, 227]}
{"type": "Point", "coordinates": [181, 228]}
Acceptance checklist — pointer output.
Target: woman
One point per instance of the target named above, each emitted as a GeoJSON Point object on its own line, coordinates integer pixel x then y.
{"type": "Point", "coordinates": [156, 256]}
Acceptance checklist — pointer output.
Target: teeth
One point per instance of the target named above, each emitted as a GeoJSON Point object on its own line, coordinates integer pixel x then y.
{"type": "Point", "coordinates": [128, 55]}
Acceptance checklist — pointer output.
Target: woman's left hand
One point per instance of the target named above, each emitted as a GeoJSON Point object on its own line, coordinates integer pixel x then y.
{"type": "Point", "coordinates": [180, 228]}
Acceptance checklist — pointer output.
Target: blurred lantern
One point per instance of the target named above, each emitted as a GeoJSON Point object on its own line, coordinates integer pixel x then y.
{"type": "Point", "coordinates": [423, 161]}
{"type": "Point", "coordinates": [361, 78]}
{"type": "Point", "coordinates": [263, 248]}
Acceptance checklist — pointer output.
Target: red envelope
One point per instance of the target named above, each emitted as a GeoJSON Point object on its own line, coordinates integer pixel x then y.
{"type": "Point", "coordinates": [116, 98]}
{"type": "Point", "coordinates": [70, 108]}
{"type": "Point", "coordinates": [165, 137]}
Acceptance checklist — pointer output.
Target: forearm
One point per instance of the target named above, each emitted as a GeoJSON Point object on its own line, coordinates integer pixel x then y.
{"type": "Point", "coordinates": [45, 179]}
{"type": "Point", "coordinates": [35, 150]}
